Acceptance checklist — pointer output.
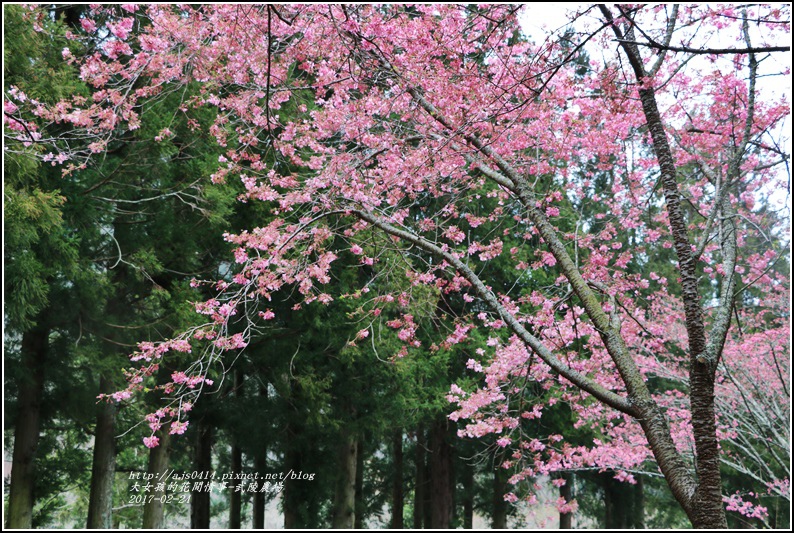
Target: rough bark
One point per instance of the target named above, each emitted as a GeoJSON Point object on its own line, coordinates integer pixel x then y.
{"type": "Point", "coordinates": [704, 507]}
{"type": "Point", "coordinates": [35, 344]}
{"type": "Point", "coordinates": [344, 512]}
{"type": "Point", "coordinates": [397, 496]}
{"type": "Point", "coordinates": [154, 509]}
{"type": "Point", "coordinates": [103, 469]}
{"type": "Point", "coordinates": [200, 500]}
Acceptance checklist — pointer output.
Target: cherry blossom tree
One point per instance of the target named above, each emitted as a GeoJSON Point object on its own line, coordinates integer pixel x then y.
{"type": "Point", "coordinates": [439, 132]}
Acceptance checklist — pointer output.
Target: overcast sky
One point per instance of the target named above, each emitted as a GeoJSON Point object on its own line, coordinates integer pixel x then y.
{"type": "Point", "coordinates": [538, 19]}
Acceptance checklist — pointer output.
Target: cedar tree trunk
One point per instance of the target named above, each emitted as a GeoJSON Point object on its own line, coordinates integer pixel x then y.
{"type": "Point", "coordinates": [103, 470]}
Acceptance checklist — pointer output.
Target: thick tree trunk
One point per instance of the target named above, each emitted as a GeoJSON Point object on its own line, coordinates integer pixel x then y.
{"type": "Point", "coordinates": [441, 489]}
{"type": "Point", "coordinates": [566, 492]}
{"type": "Point", "coordinates": [235, 495]}
{"type": "Point", "coordinates": [26, 428]}
{"type": "Point", "coordinates": [397, 497]}
{"type": "Point", "coordinates": [468, 496]}
{"type": "Point", "coordinates": [614, 505]}
{"type": "Point", "coordinates": [344, 512]}
{"type": "Point", "coordinates": [258, 511]}
{"type": "Point", "coordinates": [200, 500]}
{"type": "Point", "coordinates": [427, 504]}
{"type": "Point", "coordinates": [420, 480]}
{"type": "Point", "coordinates": [360, 502]}
{"type": "Point", "coordinates": [623, 503]}
{"type": "Point", "coordinates": [609, 511]}
{"type": "Point", "coordinates": [500, 488]}
{"type": "Point", "coordinates": [638, 516]}
{"type": "Point", "coordinates": [260, 465]}
{"type": "Point", "coordinates": [706, 509]}
{"type": "Point", "coordinates": [450, 438]}
{"type": "Point", "coordinates": [703, 505]}
{"type": "Point", "coordinates": [293, 461]}
{"type": "Point", "coordinates": [154, 509]}
{"type": "Point", "coordinates": [292, 464]}
{"type": "Point", "coordinates": [103, 470]}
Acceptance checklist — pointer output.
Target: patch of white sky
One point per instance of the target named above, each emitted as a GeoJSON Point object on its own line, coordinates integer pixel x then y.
{"type": "Point", "coordinates": [539, 20]}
